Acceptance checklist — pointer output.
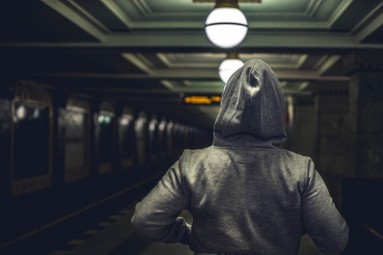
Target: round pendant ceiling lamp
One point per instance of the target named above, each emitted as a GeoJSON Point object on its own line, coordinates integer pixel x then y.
{"type": "Point", "coordinates": [227, 67]}
{"type": "Point", "coordinates": [226, 26]}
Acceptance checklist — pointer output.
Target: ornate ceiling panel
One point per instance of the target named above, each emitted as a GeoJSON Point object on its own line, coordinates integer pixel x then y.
{"type": "Point", "coordinates": [152, 46]}
{"type": "Point", "coordinates": [270, 14]}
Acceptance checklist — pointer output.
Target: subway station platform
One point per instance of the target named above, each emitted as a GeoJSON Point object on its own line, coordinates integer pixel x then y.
{"type": "Point", "coordinates": [118, 237]}
{"type": "Point", "coordinates": [99, 98]}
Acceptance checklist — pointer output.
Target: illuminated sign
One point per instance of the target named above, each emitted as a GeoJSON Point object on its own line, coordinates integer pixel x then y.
{"type": "Point", "coordinates": [202, 99]}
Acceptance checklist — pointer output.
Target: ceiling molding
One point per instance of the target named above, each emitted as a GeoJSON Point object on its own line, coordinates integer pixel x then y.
{"type": "Point", "coordinates": [179, 87]}
{"type": "Point", "coordinates": [298, 43]}
{"type": "Point", "coordinates": [152, 20]}
{"type": "Point", "coordinates": [239, 1]}
{"type": "Point", "coordinates": [143, 7]}
{"type": "Point", "coordinates": [121, 15]}
{"type": "Point", "coordinates": [175, 63]}
{"type": "Point", "coordinates": [253, 40]}
{"type": "Point", "coordinates": [206, 60]}
{"type": "Point", "coordinates": [339, 11]}
{"type": "Point", "coordinates": [187, 74]}
{"type": "Point", "coordinates": [139, 61]}
{"type": "Point", "coordinates": [191, 60]}
{"type": "Point", "coordinates": [363, 30]}
{"type": "Point", "coordinates": [328, 63]}
{"type": "Point", "coordinates": [80, 17]}
{"type": "Point", "coordinates": [312, 7]}
{"type": "Point", "coordinates": [195, 42]}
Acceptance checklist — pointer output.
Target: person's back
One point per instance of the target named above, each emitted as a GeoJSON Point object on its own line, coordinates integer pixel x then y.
{"type": "Point", "coordinates": [246, 194]}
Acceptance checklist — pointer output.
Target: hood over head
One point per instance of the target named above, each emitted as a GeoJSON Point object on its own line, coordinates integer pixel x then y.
{"type": "Point", "coordinates": [252, 110]}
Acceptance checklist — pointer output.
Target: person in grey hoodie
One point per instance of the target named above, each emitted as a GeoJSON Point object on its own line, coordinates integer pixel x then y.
{"type": "Point", "coordinates": [246, 194]}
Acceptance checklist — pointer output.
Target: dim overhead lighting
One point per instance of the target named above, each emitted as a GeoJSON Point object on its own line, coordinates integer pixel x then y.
{"type": "Point", "coordinates": [107, 119]}
{"type": "Point", "coordinates": [104, 119]}
{"type": "Point", "coordinates": [226, 26]}
{"type": "Point", "coordinates": [227, 67]}
{"type": "Point", "coordinates": [101, 119]}
{"type": "Point", "coordinates": [21, 112]}
{"type": "Point", "coordinates": [124, 121]}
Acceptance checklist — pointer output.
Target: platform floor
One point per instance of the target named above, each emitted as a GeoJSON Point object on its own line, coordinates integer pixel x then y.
{"type": "Point", "coordinates": [115, 236]}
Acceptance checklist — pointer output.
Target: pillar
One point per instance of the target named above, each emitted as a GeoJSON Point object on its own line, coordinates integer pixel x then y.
{"type": "Point", "coordinates": [333, 134]}
{"type": "Point", "coordinates": [302, 126]}
{"type": "Point", "coordinates": [365, 69]}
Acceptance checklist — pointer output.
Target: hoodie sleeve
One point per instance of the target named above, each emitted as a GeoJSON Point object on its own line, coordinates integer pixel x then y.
{"type": "Point", "coordinates": [156, 216]}
{"type": "Point", "coordinates": [320, 217]}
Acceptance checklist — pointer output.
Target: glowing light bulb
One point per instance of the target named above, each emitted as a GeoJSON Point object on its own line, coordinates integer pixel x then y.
{"type": "Point", "coordinates": [21, 112]}
{"type": "Point", "coordinates": [226, 27]}
{"type": "Point", "coordinates": [228, 67]}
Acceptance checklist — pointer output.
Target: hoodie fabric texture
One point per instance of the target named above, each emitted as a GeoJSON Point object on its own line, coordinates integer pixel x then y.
{"type": "Point", "coordinates": [246, 194]}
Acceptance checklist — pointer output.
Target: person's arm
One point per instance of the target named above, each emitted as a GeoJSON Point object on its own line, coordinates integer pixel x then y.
{"type": "Point", "coordinates": [156, 216]}
{"type": "Point", "coordinates": [320, 217]}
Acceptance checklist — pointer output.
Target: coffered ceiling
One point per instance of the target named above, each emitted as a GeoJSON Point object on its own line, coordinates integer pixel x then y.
{"type": "Point", "coordinates": [139, 49]}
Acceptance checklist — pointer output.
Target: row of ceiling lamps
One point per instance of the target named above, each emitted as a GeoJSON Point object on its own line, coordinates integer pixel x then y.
{"type": "Point", "coordinates": [226, 27]}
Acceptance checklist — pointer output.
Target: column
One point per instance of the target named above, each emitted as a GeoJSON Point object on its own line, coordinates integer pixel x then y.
{"type": "Point", "coordinates": [365, 69]}
{"type": "Point", "coordinates": [333, 135]}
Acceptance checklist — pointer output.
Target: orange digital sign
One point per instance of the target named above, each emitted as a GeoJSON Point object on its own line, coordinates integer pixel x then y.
{"type": "Point", "coordinates": [202, 99]}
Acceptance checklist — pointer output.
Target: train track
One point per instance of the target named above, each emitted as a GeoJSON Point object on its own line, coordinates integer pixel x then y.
{"type": "Point", "coordinates": [55, 234]}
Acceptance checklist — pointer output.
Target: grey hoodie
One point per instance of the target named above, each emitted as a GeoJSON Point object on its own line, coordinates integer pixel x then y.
{"type": "Point", "coordinates": [246, 194]}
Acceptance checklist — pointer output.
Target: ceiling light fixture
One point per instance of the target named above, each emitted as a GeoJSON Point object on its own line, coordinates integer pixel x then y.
{"type": "Point", "coordinates": [227, 67]}
{"type": "Point", "coordinates": [226, 26]}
